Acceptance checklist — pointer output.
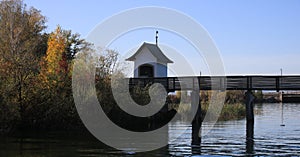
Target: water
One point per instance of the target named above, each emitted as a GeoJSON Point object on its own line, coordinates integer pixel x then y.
{"type": "Point", "coordinates": [226, 139]}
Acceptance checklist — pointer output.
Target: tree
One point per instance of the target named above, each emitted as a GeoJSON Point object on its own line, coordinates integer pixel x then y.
{"type": "Point", "coordinates": [107, 63]}
{"type": "Point", "coordinates": [20, 37]}
{"type": "Point", "coordinates": [55, 64]}
{"type": "Point", "coordinates": [55, 78]}
{"type": "Point", "coordinates": [62, 49]}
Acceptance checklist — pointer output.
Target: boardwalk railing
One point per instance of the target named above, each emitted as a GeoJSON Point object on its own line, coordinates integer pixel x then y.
{"type": "Point", "coordinates": [222, 82]}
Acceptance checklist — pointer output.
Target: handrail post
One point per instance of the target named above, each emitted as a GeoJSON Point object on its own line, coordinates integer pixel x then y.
{"type": "Point", "coordinates": [198, 81]}
{"type": "Point", "coordinates": [193, 83]}
{"type": "Point", "coordinates": [277, 84]}
{"type": "Point", "coordinates": [174, 83]}
{"type": "Point", "coordinates": [167, 84]}
{"type": "Point", "coordinates": [248, 83]}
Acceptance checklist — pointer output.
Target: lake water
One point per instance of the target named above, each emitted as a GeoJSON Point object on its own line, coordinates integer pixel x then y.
{"type": "Point", "coordinates": [226, 139]}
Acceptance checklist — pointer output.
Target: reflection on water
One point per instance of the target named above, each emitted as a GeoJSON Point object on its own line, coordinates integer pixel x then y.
{"type": "Point", "coordinates": [227, 138]}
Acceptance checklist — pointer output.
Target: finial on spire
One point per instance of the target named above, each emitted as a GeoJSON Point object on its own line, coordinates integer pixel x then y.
{"type": "Point", "coordinates": [156, 37]}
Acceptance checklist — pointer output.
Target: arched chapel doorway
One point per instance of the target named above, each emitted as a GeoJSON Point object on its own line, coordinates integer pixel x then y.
{"type": "Point", "coordinates": [146, 70]}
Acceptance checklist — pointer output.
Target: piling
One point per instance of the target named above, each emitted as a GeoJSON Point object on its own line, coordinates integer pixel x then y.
{"type": "Point", "coordinates": [197, 121]}
{"type": "Point", "coordinates": [249, 122]}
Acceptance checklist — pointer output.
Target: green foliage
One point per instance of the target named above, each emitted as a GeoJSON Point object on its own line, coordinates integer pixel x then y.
{"type": "Point", "coordinates": [233, 108]}
{"type": "Point", "coordinates": [233, 111]}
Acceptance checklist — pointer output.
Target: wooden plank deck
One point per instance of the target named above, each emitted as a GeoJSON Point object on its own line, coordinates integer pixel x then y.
{"type": "Point", "coordinates": [291, 82]}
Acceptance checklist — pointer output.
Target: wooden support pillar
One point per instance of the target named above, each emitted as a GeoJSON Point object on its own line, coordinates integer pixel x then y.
{"type": "Point", "coordinates": [197, 121]}
{"type": "Point", "coordinates": [249, 106]}
{"type": "Point", "coordinates": [250, 122]}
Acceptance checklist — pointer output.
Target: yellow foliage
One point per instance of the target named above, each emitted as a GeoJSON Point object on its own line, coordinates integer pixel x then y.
{"type": "Point", "coordinates": [52, 63]}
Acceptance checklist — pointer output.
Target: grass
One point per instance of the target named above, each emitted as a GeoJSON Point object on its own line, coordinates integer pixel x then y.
{"type": "Point", "coordinates": [229, 111]}
{"type": "Point", "coordinates": [233, 111]}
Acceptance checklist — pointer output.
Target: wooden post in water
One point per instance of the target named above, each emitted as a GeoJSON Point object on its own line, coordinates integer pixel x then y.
{"type": "Point", "coordinates": [249, 107]}
{"type": "Point", "coordinates": [250, 122]}
{"type": "Point", "coordinates": [197, 121]}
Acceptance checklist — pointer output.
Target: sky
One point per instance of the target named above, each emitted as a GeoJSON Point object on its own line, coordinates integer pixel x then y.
{"type": "Point", "coordinates": [252, 36]}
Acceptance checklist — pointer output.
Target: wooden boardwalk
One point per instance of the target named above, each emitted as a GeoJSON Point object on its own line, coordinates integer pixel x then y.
{"type": "Point", "coordinates": [272, 83]}
{"type": "Point", "coordinates": [254, 82]}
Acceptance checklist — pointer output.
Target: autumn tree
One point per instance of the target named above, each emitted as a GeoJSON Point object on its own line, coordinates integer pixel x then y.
{"type": "Point", "coordinates": [55, 64]}
{"type": "Point", "coordinates": [55, 77]}
{"type": "Point", "coordinates": [62, 49]}
{"type": "Point", "coordinates": [20, 39]}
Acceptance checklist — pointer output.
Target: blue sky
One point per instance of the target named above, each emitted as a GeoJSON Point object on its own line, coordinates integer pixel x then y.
{"type": "Point", "coordinates": [253, 36]}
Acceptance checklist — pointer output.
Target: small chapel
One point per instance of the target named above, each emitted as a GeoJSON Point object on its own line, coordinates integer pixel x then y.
{"type": "Point", "coordinates": [150, 61]}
